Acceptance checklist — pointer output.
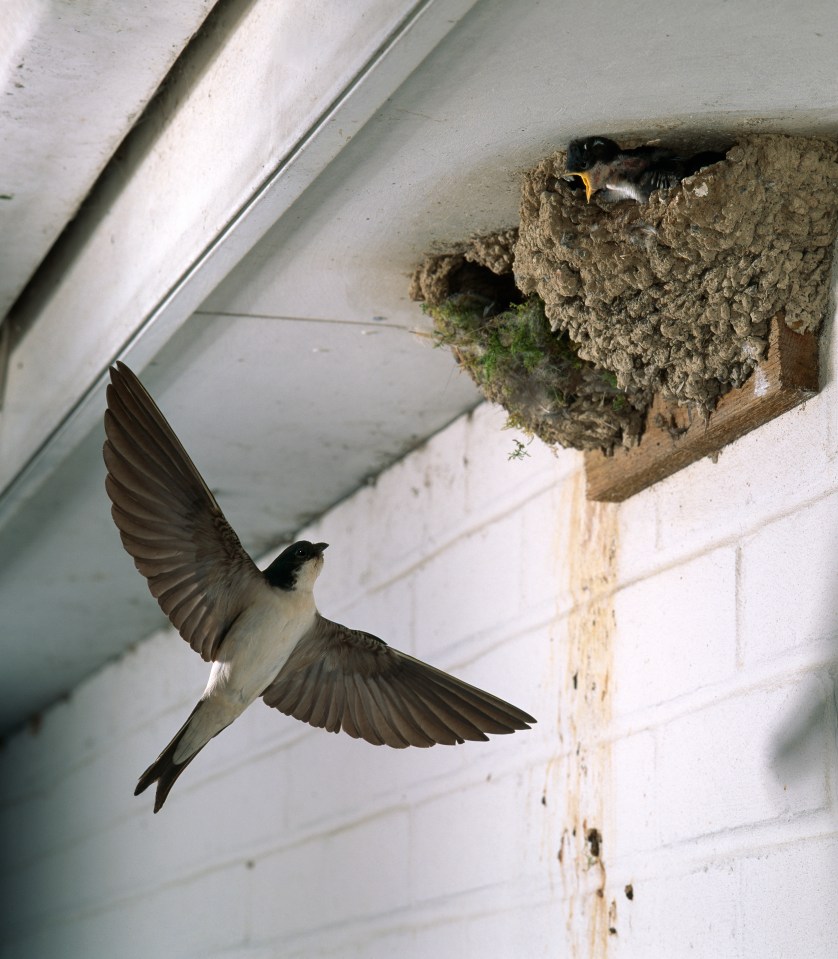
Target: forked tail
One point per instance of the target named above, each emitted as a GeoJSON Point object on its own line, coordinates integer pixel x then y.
{"type": "Point", "coordinates": [164, 770]}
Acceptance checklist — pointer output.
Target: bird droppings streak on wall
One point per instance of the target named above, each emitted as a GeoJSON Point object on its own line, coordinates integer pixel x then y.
{"type": "Point", "coordinates": [584, 721]}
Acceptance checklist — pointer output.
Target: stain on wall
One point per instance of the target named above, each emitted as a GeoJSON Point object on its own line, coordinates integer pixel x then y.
{"type": "Point", "coordinates": [590, 912]}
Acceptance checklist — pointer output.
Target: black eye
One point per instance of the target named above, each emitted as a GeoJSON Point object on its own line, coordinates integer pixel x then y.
{"type": "Point", "coordinates": [299, 551]}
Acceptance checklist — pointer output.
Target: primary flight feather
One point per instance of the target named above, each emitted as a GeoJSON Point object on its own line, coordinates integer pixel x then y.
{"type": "Point", "coordinates": [260, 629]}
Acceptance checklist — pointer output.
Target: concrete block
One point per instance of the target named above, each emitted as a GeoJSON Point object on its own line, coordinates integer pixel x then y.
{"type": "Point", "coordinates": [386, 611]}
{"type": "Point", "coordinates": [716, 767]}
{"type": "Point", "coordinates": [545, 522]}
{"type": "Point", "coordinates": [692, 913]}
{"type": "Point", "coordinates": [418, 939]}
{"type": "Point", "coordinates": [471, 587]}
{"type": "Point", "coordinates": [788, 898]}
{"type": "Point", "coordinates": [759, 477]}
{"type": "Point", "coordinates": [513, 929]}
{"type": "Point", "coordinates": [524, 669]}
{"type": "Point", "coordinates": [458, 844]}
{"type": "Point", "coordinates": [355, 542]}
{"type": "Point", "coordinates": [788, 581]}
{"type": "Point", "coordinates": [633, 768]}
{"type": "Point", "coordinates": [334, 779]}
{"type": "Point", "coordinates": [676, 632]}
{"type": "Point", "coordinates": [285, 840]}
{"type": "Point", "coordinates": [337, 877]}
{"type": "Point", "coordinates": [494, 482]}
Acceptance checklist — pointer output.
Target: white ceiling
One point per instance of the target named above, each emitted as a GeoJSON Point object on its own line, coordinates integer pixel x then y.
{"type": "Point", "coordinates": [74, 80]}
{"type": "Point", "coordinates": [253, 243]}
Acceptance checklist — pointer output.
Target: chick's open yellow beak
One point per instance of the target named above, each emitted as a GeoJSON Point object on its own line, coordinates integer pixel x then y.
{"type": "Point", "coordinates": [587, 181]}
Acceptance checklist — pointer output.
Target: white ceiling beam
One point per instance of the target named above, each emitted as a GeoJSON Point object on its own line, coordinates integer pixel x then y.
{"type": "Point", "coordinates": [261, 104]}
{"type": "Point", "coordinates": [73, 80]}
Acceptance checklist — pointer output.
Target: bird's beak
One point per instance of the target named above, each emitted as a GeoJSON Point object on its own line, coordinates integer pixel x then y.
{"type": "Point", "coordinates": [320, 547]}
{"type": "Point", "coordinates": [587, 181]}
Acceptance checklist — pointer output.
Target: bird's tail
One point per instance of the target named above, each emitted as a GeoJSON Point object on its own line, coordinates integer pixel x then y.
{"type": "Point", "coordinates": [164, 770]}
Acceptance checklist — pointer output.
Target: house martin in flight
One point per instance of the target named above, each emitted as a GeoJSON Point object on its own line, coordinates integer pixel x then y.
{"type": "Point", "coordinates": [260, 629]}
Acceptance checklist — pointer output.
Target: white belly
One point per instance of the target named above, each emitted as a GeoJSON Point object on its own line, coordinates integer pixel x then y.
{"type": "Point", "coordinates": [258, 645]}
{"type": "Point", "coordinates": [252, 653]}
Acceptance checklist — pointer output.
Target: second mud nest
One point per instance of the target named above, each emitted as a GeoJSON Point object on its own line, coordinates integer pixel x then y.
{"type": "Point", "coordinates": [505, 342]}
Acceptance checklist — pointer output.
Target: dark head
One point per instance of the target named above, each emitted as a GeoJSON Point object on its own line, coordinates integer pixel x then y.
{"type": "Point", "coordinates": [297, 565]}
{"type": "Point", "coordinates": [583, 155]}
{"type": "Point", "coordinates": [586, 153]}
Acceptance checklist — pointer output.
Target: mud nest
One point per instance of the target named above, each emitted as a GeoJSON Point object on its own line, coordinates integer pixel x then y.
{"type": "Point", "coordinates": [505, 342]}
{"type": "Point", "coordinates": [613, 302]}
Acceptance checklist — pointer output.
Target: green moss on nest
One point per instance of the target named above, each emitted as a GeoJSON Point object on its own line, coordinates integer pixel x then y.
{"type": "Point", "coordinates": [535, 373]}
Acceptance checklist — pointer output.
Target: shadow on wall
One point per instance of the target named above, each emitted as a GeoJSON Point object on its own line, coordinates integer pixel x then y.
{"type": "Point", "coordinates": [811, 727]}
{"type": "Point", "coordinates": [795, 742]}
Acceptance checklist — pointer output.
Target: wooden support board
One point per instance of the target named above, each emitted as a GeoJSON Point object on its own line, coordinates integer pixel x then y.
{"type": "Point", "coordinates": [786, 377]}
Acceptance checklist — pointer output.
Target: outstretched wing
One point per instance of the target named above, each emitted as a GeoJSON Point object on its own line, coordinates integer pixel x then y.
{"type": "Point", "coordinates": [341, 678]}
{"type": "Point", "coordinates": [169, 521]}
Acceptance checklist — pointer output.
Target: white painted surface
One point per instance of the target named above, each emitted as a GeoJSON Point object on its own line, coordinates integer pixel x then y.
{"type": "Point", "coordinates": [456, 111]}
{"type": "Point", "coordinates": [713, 741]}
{"type": "Point", "coordinates": [264, 100]}
{"type": "Point", "coordinates": [711, 773]}
{"type": "Point", "coordinates": [74, 77]}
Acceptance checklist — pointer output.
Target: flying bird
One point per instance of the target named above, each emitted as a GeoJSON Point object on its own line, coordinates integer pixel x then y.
{"type": "Point", "coordinates": [620, 174]}
{"type": "Point", "coordinates": [260, 629]}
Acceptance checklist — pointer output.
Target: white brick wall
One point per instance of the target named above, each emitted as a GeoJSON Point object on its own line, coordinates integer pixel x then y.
{"type": "Point", "coordinates": [699, 736]}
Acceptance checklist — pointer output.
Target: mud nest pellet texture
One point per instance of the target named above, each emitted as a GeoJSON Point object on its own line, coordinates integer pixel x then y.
{"type": "Point", "coordinates": [675, 295]}
{"type": "Point", "coordinates": [506, 344]}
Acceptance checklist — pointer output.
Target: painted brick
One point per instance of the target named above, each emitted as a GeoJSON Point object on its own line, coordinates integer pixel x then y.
{"type": "Point", "coordinates": [633, 763]}
{"type": "Point", "coordinates": [689, 914]}
{"type": "Point", "coordinates": [759, 476]}
{"type": "Point", "coordinates": [354, 872]}
{"type": "Point", "coordinates": [493, 480]}
{"type": "Point", "coordinates": [718, 774]}
{"type": "Point", "coordinates": [545, 531]}
{"type": "Point", "coordinates": [715, 766]}
{"type": "Point", "coordinates": [456, 848]}
{"type": "Point", "coordinates": [788, 898]}
{"type": "Point", "coordinates": [472, 587]}
{"type": "Point", "coordinates": [531, 930]}
{"type": "Point", "coordinates": [788, 582]}
{"type": "Point", "coordinates": [676, 632]}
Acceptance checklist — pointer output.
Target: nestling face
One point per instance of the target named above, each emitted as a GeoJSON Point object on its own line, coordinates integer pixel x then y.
{"type": "Point", "coordinates": [584, 158]}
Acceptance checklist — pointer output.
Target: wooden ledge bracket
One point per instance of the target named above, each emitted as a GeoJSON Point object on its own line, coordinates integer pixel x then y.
{"type": "Point", "coordinates": [672, 439]}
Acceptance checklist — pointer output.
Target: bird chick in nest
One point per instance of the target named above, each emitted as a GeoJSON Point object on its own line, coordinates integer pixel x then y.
{"type": "Point", "coordinates": [618, 174]}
